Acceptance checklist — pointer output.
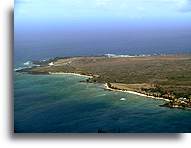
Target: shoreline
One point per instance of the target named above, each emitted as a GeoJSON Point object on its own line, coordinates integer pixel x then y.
{"type": "Point", "coordinates": [107, 87]}
{"type": "Point", "coordinates": [69, 73]}
{"type": "Point", "coordinates": [132, 76]}
{"type": "Point", "coordinates": [135, 93]}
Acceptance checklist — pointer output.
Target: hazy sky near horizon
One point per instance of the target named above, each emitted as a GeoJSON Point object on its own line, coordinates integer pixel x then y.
{"type": "Point", "coordinates": [67, 27]}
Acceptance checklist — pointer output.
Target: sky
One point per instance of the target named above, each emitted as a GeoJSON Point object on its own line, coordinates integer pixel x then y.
{"type": "Point", "coordinates": [89, 26]}
{"type": "Point", "coordinates": [103, 10]}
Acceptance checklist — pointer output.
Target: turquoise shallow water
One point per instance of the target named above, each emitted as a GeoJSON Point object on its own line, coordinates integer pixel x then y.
{"type": "Point", "coordinates": [63, 104]}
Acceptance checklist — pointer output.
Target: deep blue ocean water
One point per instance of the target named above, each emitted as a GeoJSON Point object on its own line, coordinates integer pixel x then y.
{"type": "Point", "coordinates": [60, 103]}
{"type": "Point", "coordinates": [41, 42]}
{"type": "Point", "coordinates": [63, 104]}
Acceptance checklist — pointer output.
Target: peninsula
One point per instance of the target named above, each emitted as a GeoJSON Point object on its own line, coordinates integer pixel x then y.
{"type": "Point", "coordinates": [160, 76]}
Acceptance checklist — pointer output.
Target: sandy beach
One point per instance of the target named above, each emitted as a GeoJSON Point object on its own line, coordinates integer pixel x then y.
{"type": "Point", "coordinates": [133, 92]}
{"type": "Point", "coordinates": [107, 87]}
{"type": "Point", "coordinates": [143, 76]}
{"type": "Point", "coordinates": [63, 73]}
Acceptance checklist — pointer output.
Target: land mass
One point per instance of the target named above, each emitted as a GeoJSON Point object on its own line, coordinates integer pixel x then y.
{"type": "Point", "coordinates": [167, 77]}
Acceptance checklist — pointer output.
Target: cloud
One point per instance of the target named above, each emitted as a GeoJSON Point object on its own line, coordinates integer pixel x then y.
{"type": "Point", "coordinates": [103, 2]}
{"type": "Point", "coordinates": [187, 6]}
{"type": "Point", "coordinates": [22, 1]}
{"type": "Point", "coordinates": [123, 9]}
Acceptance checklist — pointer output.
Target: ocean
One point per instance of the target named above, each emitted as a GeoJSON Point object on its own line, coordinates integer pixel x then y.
{"type": "Point", "coordinates": [65, 104]}
{"type": "Point", "coordinates": [35, 42]}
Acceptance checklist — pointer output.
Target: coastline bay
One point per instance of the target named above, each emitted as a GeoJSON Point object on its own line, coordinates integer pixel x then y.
{"type": "Point", "coordinates": [163, 76]}
{"type": "Point", "coordinates": [101, 66]}
{"type": "Point", "coordinates": [50, 103]}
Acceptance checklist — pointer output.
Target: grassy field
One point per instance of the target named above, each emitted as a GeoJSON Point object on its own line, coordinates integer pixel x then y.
{"type": "Point", "coordinates": [156, 75]}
